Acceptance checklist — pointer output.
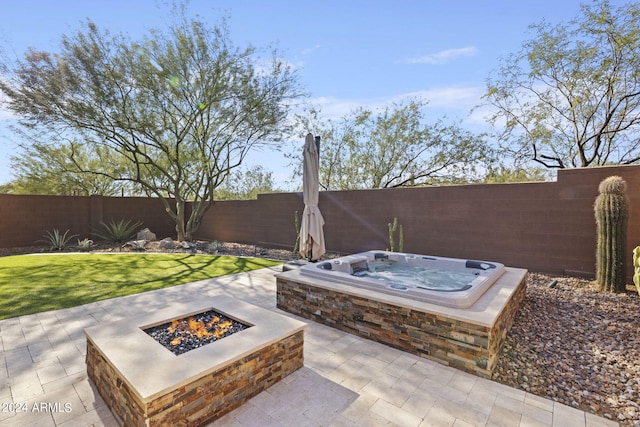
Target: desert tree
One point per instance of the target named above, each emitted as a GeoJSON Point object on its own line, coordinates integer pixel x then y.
{"type": "Point", "coordinates": [571, 96]}
{"type": "Point", "coordinates": [394, 146]}
{"type": "Point", "coordinates": [174, 113]}
{"type": "Point", "coordinates": [502, 173]}
{"type": "Point", "coordinates": [247, 183]}
{"type": "Point", "coordinates": [47, 169]}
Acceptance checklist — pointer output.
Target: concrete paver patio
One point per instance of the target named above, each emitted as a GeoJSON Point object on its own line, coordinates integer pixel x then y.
{"type": "Point", "coordinates": [346, 380]}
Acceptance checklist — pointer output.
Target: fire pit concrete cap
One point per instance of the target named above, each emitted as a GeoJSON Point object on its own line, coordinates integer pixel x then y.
{"type": "Point", "coordinates": [151, 369]}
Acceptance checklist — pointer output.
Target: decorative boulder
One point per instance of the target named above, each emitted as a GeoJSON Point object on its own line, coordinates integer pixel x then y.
{"type": "Point", "coordinates": [167, 243]}
{"type": "Point", "coordinates": [188, 245]}
{"type": "Point", "coordinates": [146, 234]}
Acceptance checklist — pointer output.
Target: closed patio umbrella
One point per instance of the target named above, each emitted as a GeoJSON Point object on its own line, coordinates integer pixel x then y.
{"type": "Point", "coordinates": [311, 233]}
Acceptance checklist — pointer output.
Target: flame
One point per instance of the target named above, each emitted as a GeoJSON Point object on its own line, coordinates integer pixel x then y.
{"type": "Point", "coordinates": [222, 328]}
{"type": "Point", "coordinates": [213, 322]}
{"type": "Point", "coordinates": [174, 326]}
{"type": "Point", "coordinates": [198, 328]}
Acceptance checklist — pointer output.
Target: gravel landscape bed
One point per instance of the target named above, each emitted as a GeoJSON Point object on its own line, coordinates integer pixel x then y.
{"type": "Point", "coordinates": [577, 346]}
{"type": "Point", "coordinates": [569, 342]}
{"type": "Point", "coordinates": [199, 247]}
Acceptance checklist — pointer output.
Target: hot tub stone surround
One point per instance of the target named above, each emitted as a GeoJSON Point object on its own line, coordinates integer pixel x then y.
{"type": "Point", "coordinates": [145, 384]}
{"type": "Point", "coordinates": [467, 339]}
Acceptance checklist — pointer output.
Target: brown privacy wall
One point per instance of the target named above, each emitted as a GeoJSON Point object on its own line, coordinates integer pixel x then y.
{"type": "Point", "coordinates": [25, 219]}
{"type": "Point", "coordinates": [546, 226]}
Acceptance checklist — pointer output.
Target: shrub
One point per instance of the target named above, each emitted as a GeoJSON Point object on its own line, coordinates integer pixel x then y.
{"type": "Point", "coordinates": [612, 213]}
{"type": "Point", "coordinates": [214, 247]}
{"type": "Point", "coordinates": [56, 240]}
{"type": "Point", "coordinates": [118, 232]}
{"type": "Point", "coordinates": [85, 244]}
{"type": "Point", "coordinates": [137, 245]}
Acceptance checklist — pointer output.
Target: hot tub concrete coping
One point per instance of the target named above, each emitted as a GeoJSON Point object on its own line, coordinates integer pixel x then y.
{"type": "Point", "coordinates": [152, 370]}
{"type": "Point", "coordinates": [484, 312]}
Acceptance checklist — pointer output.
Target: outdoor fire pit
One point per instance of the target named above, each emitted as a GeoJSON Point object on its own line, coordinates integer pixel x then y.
{"type": "Point", "coordinates": [191, 363]}
{"type": "Point", "coordinates": [182, 335]}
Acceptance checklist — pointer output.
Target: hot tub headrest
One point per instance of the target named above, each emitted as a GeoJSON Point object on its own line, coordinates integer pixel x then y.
{"type": "Point", "coordinates": [325, 266]}
{"type": "Point", "coordinates": [481, 265]}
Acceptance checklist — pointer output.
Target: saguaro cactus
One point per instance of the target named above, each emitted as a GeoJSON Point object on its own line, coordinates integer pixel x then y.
{"type": "Point", "coordinates": [612, 213]}
{"type": "Point", "coordinates": [393, 226]}
{"type": "Point", "coordinates": [296, 221]}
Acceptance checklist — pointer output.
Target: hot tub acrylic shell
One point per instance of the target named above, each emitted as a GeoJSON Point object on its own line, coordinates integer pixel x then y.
{"type": "Point", "coordinates": [341, 270]}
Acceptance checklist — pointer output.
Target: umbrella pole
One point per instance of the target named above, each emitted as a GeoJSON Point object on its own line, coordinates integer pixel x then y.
{"type": "Point", "coordinates": [317, 142]}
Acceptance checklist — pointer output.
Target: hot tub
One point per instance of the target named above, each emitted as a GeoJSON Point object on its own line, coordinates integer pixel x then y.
{"type": "Point", "coordinates": [450, 282]}
{"type": "Point", "coordinates": [461, 320]}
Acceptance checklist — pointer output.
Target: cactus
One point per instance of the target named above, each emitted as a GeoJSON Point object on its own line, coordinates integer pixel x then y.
{"type": "Point", "coordinates": [636, 268]}
{"type": "Point", "coordinates": [611, 212]}
{"type": "Point", "coordinates": [296, 221]}
{"type": "Point", "coordinates": [393, 227]}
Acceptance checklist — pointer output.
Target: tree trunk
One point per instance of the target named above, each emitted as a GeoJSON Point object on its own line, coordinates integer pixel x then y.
{"type": "Point", "coordinates": [180, 221]}
{"type": "Point", "coordinates": [198, 210]}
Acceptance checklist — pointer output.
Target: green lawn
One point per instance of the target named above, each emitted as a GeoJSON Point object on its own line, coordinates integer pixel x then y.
{"type": "Point", "coordinates": [35, 283]}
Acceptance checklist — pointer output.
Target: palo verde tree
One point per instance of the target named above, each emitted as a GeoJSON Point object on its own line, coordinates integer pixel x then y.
{"type": "Point", "coordinates": [500, 173]}
{"type": "Point", "coordinates": [175, 113]}
{"type": "Point", "coordinates": [571, 96]}
{"type": "Point", "coordinates": [42, 168]}
{"type": "Point", "coordinates": [247, 183]}
{"type": "Point", "coordinates": [393, 147]}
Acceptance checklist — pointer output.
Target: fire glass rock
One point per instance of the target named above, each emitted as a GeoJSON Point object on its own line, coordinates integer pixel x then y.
{"type": "Point", "coordinates": [186, 334]}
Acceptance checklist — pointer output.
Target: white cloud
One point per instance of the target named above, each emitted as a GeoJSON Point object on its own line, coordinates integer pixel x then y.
{"type": "Point", "coordinates": [334, 108]}
{"type": "Point", "coordinates": [5, 114]}
{"type": "Point", "coordinates": [264, 67]}
{"type": "Point", "coordinates": [453, 102]}
{"type": "Point", "coordinates": [462, 98]}
{"type": "Point", "coordinates": [308, 50]}
{"type": "Point", "coordinates": [443, 56]}
{"type": "Point", "coordinates": [480, 116]}
{"type": "Point", "coordinates": [457, 97]}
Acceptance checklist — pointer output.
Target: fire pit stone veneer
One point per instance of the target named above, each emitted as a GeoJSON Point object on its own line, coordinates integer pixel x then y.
{"type": "Point", "coordinates": [145, 384]}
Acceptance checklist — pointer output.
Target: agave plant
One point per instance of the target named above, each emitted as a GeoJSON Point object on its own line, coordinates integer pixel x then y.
{"type": "Point", "coordinates": [85, 244]}
{"type": "Point", "coordinates": [56, 240]}
{"type": "Point", "coordinates": [137, 245]}
{"type": "Point", "coordinates": [214, 247]}
{"type": "Point", "coordinates": [118, 232]}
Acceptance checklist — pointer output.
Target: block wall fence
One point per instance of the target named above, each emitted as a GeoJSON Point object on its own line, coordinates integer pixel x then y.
{"type": "Point", "coordinates": [543, 226]}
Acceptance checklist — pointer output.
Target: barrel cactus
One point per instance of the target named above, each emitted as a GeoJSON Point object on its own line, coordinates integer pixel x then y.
{"type": "Point", "coordinates": [612, 213]}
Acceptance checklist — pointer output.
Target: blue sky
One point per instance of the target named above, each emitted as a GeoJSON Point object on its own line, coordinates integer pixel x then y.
{"type": "Point", "coordinates": [349, 53]}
